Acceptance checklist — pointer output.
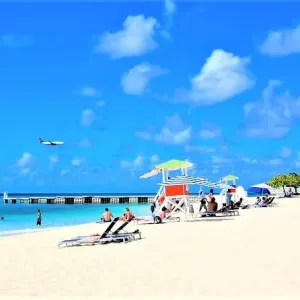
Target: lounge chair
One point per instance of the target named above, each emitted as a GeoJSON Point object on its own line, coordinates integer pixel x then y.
{"type": "Point", "coordinates": [222, 212]}
{"type": "Point", "coordinates": [106, 237]}
{"type": "Point", "coordinates": [155, 220]}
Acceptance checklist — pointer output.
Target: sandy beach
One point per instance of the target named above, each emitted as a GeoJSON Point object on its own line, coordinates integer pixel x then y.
{"type": "Point", "coordinates": [253, 255]}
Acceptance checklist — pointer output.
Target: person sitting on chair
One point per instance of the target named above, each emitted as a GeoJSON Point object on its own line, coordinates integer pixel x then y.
{"type": "Point", "coordinates": [128, 215]}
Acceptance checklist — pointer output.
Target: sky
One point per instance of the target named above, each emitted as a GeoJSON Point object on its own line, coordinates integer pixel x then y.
{"type": "Point", "coordinates": [129, 85]}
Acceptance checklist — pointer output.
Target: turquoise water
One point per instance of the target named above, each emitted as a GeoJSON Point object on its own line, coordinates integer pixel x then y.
{"type": "Point", "coordinates": [21, 218]}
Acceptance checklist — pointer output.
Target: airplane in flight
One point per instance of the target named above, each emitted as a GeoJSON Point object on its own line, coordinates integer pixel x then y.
{"type": "Point", "coordinates": [50, 143]}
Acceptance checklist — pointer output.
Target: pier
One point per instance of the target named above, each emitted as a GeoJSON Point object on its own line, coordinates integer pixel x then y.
{"type": "Point", "coordinates": [69, 200]}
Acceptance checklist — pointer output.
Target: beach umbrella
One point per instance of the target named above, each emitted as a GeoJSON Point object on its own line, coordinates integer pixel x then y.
{"type": "Point", "coordinates": [262, 187]}
{"type": "Point", "coordinates": [171, 165]}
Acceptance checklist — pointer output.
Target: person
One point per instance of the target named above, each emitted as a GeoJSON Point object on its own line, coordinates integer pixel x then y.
{"type": "Point", "coordinates": [152, 207]}
{"type": "Point", "coordinates": [211, 194]}
{"type": "Point", "coordinates": [39, 218]}
{"type": "Point", "coordinates": [107, 216]}
{"type": "Point", "coordinates": [202, 201]}
{"type": "Point", "coordinates": [163, 213]}
{"type": "Point", "coordinates": [128, 215]}
{"type": "Point", "coordinates": [2, 218]}
{"type": "Point", "coordinates": [212, 205]}
{"type": "Point", "coordinates": [228, 197]}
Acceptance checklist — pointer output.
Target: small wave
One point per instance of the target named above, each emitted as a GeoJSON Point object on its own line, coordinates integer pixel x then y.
{"type": "Point", "coordinates": [23, 231]}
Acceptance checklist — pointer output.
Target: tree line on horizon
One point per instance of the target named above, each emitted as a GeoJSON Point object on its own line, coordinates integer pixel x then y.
{"type": "Point", "coordinates": [285, 180]}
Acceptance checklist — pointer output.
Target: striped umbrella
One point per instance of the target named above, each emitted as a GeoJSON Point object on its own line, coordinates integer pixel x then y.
{"type": "Point", "coordinates": [184, 179]}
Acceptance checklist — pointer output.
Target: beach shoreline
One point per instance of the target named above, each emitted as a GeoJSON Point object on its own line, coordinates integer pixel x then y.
{"type": "Point", "coordinates": [253, 255]}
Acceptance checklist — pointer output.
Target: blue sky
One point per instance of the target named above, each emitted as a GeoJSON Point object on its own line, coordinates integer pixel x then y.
{"type": "Point", "coordinates": [129, 85]}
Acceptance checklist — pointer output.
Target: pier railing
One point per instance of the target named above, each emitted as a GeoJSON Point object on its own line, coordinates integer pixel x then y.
{"type": "Point", "coordinates": [69, 200]}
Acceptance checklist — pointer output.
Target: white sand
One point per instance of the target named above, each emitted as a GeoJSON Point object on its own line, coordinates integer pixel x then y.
{"type": "Point", "coordinates": [255, 254]}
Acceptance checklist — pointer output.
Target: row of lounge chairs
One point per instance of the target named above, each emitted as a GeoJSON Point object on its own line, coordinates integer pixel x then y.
{"type": "Point", "coordinates": [108, 236]}
{"type": "Point", "coordinates": [120, 235]}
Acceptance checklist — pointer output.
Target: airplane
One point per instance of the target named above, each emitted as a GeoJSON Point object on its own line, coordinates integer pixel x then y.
{"type": "Point", "coordinates": [50, 143]}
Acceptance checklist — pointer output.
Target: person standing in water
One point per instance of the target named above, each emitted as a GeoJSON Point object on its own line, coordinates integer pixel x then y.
{"type": "Point", "coordinates": [39, 218]}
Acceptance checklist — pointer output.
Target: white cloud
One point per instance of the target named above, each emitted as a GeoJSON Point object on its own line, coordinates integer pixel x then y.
{"type": "Point", "coordinates": [174, 131]}
{"type": "Point", "coordinates": [88, 92]}
{"type": "Point", "coordinates": [85, 143]}
{"type": "Point", "coordinates": [275, 162]}
{"type": "Point", "coordinates": [144, 135]}
{"type": "Point", "coordinates": [154, 158]}
{"type": "Point", "coordinates": [25, 171]}
{"type": "Point", "coordinates": [76, 162]}
{"type": "Point", "coordinates": [201, 149]}
{"type": "Point", "coordinates": [136, 80]}
{"type": "Point", "coordinates": [273, 115]}
{"type": "Point", "coordinates": [285, 152]}
{"type": "Point", "coordinates": [169, 7]}
{"type": "Point", "coordinates": [25, 160]}
{"type": "Point", "coordinates": [87, 117]}
{"type": "Point", "coordinates": [219, 160]}
{"type": "Point", "coordinates": [282, 42]}
{"type": "Point", "coordinates": [64, 172]}
{"type": "Point", "coordinates": [223, 76]}
{"type": "Point", "coordinates": [135, 39]}
{"type": "Point", "coordinates": [100, 103]}
{"type": "Point", "coordinates": [133, 165]}
{"type": "Point", "coordinates": [209, 131]}
{"type": "Point", "coordinates": [53, 160]}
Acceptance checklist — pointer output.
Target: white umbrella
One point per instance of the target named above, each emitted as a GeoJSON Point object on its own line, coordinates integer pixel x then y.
{"type": "Point", "coordinates": [261, 186]}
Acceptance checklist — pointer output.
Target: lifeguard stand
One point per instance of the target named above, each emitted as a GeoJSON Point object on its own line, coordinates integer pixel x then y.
{"type": "Point", "coordinates": [229, 182]}
{"type": "Point", "coordinates": [172, 195]}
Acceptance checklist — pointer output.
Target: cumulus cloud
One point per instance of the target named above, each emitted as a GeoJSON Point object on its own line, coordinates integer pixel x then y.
{"type": "Point", "coordinates": [53, 159]}
{"type": "Point", "coordinates": [174, 131]}
{"type": "Point", "coordinates": [209, 131]}
{"type": "Point", "coordinates": [134, 164]}
{"type": "Point", "coordinates": [273, 115]}
{"type": "Point", "coordinates": [136, 80]}
{"type": "Point", "coordinates": [169, 7]}
{"type": "Point", "coordinates": [100, 103]}
{"type": "Point", "coordinates": [25, 160]}
{"type": "Point", "coordinates": [201, 149]}
{"type": "Point", "coordinates": [285, 152]}
{"type": "Point", "coordinates": [154, 158]}
{"type": "Point", "coordinates": [223, 76]}
{"type": "Point", "coordinates": [64, 172]}
{"type": "Point", "coordinates": [85, 143]}
{"type": "Point", "coordinates": [136, 38]}
{"type": "Point", "coordinates": [282, 42]}
{"type": "Point", "coordinates": [87, 117]}
{"type": "Point", "coordinates": [77, 161]}
{"type": "Point", "coordinates": [88, 92]}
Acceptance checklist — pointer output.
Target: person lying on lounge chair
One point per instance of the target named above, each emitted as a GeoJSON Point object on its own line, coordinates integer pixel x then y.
{"type": "Point", "coordinates": [258, 200]}
{"type": "Point", "coordinates": [128, 215]}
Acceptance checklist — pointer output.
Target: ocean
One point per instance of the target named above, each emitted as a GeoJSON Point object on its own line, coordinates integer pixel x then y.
{"type": "Point", "coordinates": [21, 218]}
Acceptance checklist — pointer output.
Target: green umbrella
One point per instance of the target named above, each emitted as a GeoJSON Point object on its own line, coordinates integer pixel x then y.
{"type": "Point", "coordinates": [230, 177]}
{"type": "Point", "coordinates": [174, 164]}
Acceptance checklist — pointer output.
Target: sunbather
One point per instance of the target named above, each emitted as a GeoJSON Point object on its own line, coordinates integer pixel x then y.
{"type": "Point", "coordinates": [107, 216]}
{"type": "Point", "coordinates": [212, 207]}
{"type": "Point", "coordinates": [128, 215]}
